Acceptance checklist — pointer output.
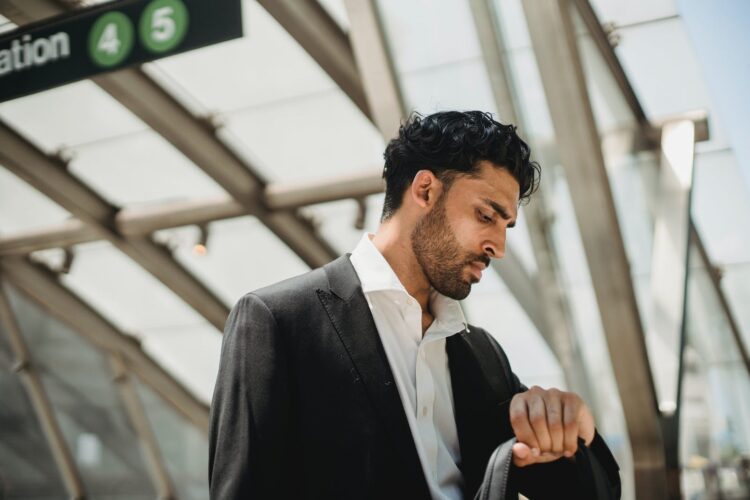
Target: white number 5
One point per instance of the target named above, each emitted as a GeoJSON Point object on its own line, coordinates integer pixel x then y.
{"type": "Point", "coordinates": [162, 24]}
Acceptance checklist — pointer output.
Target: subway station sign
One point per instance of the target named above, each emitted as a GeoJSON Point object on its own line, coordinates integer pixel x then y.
{"type": "Point", "coordinates": [107, 37]}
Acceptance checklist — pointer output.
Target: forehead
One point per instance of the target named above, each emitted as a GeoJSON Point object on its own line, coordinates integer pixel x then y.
{"type": "Point", "coordinates": [492, 182]}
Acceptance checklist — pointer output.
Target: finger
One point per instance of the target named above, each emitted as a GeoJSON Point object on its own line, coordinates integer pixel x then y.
{"type": "Point", "coordinates": [553, 403]}
{"type": "Point", "coordinates": [521, 455]}
{"type": "Point", "coordinates": [538, 419]}
{"type": "Point", "coordinates": [586, 427]}
{"type": "Point", "coordinates": [570, 426]}
{"type": "Point", "coordinates": [519, 420]}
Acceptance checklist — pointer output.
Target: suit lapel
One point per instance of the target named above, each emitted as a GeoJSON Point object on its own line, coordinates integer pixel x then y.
{"type": "Point", "coordinates": [350, 315]}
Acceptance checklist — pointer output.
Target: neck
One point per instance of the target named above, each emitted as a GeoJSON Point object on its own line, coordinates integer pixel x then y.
{"type": "Point", "coordinates": [393, 241]}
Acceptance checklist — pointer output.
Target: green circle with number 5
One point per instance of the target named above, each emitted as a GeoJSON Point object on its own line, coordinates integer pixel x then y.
{"type": "Point", "coordinates": [111, 39]}
{"type": "Point", "coordinates": [163, 25]}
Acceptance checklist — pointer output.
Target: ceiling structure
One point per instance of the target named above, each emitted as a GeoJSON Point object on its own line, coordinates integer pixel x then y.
{"type": "Point", "coordinates": [138, 206]}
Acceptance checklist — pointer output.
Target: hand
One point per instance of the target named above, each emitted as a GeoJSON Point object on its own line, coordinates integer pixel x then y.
{"type": "Point", "coordinates": [547, 425]}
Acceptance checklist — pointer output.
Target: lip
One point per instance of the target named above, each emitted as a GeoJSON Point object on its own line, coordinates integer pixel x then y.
{"type": "Point", "coordinates": [476, 270]}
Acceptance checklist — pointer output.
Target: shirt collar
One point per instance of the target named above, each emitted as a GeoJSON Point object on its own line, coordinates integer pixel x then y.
{"type": "Point", "coordinates": [376, 275]}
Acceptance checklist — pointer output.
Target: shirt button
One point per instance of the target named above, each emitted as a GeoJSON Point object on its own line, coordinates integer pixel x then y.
{"type": "Point", "coordinates": [424, 411]}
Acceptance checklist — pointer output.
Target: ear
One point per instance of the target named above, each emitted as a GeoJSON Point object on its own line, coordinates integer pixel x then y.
{"type": "Point", "coordinates": [425, 189]}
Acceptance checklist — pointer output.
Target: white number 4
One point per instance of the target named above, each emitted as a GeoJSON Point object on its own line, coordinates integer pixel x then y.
{"type": "Point", "coordinates": [162, 24]}
{"type": "Point", "coordinates": [108, 42]}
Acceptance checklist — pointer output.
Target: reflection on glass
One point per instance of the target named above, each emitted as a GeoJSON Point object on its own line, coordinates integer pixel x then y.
{"type": "Point", "coordinates": [183, 446]}
{"type": "Point", "coordinates": [715, 417]}
{"type": "Point", "coordinates": [27, 469]}
{"type": "Point", "coordinates": [78, 381]}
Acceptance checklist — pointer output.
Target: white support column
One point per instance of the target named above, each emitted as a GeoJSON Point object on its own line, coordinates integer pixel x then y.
{"type": "Point", "coordinates": [669, 259]}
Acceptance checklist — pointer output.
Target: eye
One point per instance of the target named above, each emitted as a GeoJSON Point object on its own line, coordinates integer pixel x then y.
{"type": "Point", "coordinates": [486, 219]}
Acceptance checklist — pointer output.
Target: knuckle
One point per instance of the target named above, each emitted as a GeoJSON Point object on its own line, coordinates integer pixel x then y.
{"type": "Point", "coordinates": [570, 426]}
{"type": "Point", "coordinates": [537, 418]}
{"type": "Point", "coordinates": [572, 398]}
{"type": "Point", "coordinates": [555, 425]}
{"type": "Point", "coordinates": [517, 416]}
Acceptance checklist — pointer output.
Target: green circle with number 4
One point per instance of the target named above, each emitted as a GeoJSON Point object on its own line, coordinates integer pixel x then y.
{"type": "Point", "coordinates": [163, 25]}
{"type": "Point", "coordinates": [111, 39]}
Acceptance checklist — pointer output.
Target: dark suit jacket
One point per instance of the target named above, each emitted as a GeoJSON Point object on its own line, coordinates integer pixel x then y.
{"type": "Point", "coordinates": [305, 404]}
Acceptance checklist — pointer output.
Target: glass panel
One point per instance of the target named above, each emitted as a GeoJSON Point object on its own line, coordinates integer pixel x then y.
{"type": "Point", "coordinates": [78, 380]}
{"type": "Point", "coordinates": [624, 13]}
{"type": "Point", "coordinates": [735, 282]}
{"type": "Point", "coordinates": [242, 255]}
{"type": "Point", "coordinates": [124, 292]}
{"type": "Point", "coordinates": [23, 208]}
{"type": "Point", "coordinates": [459, 85]}
{"type": "Point", "coordinates": [310, 137]}
{"type": "Point", "coordinates": [417, 30]}
{"type": "Point", "coordinates": [667, 81]}
{"type": "Point", "coordinates": [27, 469]}
{"type": "Point", "coordinates": [491, 306]}
{"type": "Point", "coordinates": [184, 448]}
{"type": "Point", "coordinates": [140, 168]}
{"type": "Point", "coordinates": [337, 221]}
{"type": "Point", "coordinates": [721, 207]}
{"type": "Point", "coordinates": [83, 113]}
{"type": "Point", "coordinates": [715, 420]}
{"type": "Point", "coordinates": [189, 353]}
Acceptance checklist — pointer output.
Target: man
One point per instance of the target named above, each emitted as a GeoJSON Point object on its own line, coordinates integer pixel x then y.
{"type": "Point", "coordinates": [362, 379]}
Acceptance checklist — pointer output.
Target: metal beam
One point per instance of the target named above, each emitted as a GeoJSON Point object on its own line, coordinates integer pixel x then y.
{"type": "Point", "coordinates": [50, 177]}
{"type": "Point", "coordinates": [611, 60]}
{"type": "Point", "coordinates": [553, 39]}
{"type": "Point", "coordinates": [45, 414]}
{"type": "Point", "coordinates": [196, 139]}
{"type": "Point", "coordinates": [42, 286]}
{"type": "Point", "coordinates": [142, 221]}
{"type": "Point", "coordinates": [375, 66]}
{"type": "Point", "coordinates": [137, 415]}
{"type": "Point", "coordinates": [556, 323]}
{"type": "Point", "coordinates": [314, 29]}
{"type": "Point", "coordinates": [198, 142]}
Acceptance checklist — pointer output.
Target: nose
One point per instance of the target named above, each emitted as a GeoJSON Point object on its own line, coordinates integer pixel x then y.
{"type": "Point", "coordinates": [495, 248]}
{"type": "Point", "coordinates": [494, 251]}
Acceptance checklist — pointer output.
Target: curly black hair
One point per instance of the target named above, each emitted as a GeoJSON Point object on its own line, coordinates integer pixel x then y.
{"type": "Point", "coordinates": [451, 143]}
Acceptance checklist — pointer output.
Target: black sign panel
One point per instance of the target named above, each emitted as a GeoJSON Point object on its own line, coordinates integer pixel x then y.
{"type": "Point", "coordinates": [108, 37]}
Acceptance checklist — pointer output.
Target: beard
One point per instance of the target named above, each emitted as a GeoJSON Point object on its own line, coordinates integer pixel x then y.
{"type": "Point", "coordinates": [440, 255]}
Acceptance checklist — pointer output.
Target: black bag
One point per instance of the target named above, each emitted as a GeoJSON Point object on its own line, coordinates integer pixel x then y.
{"type": "Point", "coordinates": [495, 485]}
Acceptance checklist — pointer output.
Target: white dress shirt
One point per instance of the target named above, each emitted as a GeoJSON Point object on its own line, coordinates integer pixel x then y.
{"type": "Point", "coordinates": [419, 364]}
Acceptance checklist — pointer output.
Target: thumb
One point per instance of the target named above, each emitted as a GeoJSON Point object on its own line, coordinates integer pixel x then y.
{"type": "Point", "coordinates": [521, 454]}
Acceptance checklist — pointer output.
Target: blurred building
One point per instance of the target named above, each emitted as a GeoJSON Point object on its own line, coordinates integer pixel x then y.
{"type": "Point", "coordinates": [137, 207]}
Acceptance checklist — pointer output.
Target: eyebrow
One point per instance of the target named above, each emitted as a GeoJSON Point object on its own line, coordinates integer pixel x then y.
{"type": "Point", "coordinates": [501, 210]}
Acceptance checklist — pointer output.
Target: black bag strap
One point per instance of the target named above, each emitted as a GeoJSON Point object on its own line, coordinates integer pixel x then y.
{"type": "Point", "coordinates": [492, 361]}
{"type": "Point", "coordinates": [495, 483]}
